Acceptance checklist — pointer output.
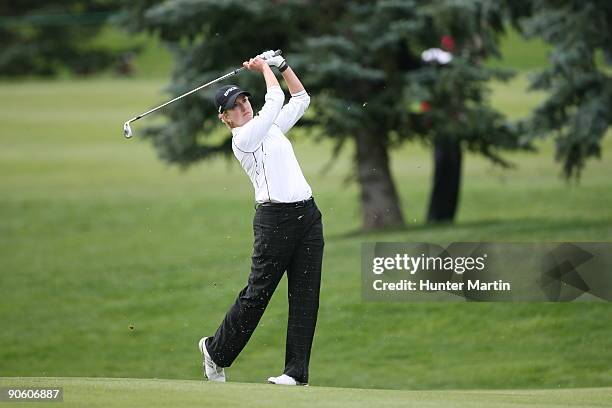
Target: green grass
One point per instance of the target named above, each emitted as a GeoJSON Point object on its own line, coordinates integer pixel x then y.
{"type": "Point", "coordinates": [153, 60]}
{"type": "Point", "coordinates": [97, 235]}
{"type": "Point", "coordinates": [521, 54]}
{"type": "Point", "coordinates": [122, 392]}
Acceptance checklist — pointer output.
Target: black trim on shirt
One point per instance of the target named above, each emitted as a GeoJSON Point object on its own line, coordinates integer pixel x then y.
{"type": "Point", "coordinates": [264, 170]}
{"type": "Point", "coordinates": [243, 150]}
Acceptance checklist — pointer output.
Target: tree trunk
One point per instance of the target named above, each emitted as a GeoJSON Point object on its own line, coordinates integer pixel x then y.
{"type": "Point", "coordinates": [379, 201]}
{"type": "Point", "coordinates": [447, 179]}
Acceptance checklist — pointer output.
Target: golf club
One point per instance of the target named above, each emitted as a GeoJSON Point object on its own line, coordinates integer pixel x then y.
{"type": "Point", "coordinates": [127, 130]}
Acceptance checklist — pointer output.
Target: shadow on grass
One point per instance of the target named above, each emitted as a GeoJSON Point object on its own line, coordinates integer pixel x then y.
{"type": "Point", "coordinates": [522, 226]}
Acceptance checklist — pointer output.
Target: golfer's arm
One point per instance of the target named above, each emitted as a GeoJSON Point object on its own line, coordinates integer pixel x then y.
{"type": "Point", "coordinates": [269, 77]}
{"type": "Point", "coordinates": [253, 133]}
{"type": "Point", "coordinates": [293, 82]}
{"type": "Point", "coordinates": [299, 102]}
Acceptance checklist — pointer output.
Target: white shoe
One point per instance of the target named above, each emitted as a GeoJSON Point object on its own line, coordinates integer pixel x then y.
{"type": "Point", "coordinates": [284, 380]}
{"type": "Point", "coordinates": [213, 371]}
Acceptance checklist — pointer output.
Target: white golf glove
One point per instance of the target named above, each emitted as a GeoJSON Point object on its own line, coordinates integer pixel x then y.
{"type": "Point", "coordinates": [274, 61]}
{"type": "Point", "coordinates": [266, 54]}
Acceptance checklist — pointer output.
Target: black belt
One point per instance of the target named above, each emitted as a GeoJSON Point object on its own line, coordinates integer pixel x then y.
{"type": "Point", "coordinates": [297, 204]}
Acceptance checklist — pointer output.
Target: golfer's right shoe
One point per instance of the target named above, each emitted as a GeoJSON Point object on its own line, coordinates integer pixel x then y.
{"type": "Point", "coordinates": [212, 371]}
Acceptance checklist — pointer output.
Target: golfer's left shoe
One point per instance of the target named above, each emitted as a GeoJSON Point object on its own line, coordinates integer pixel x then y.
{"type": "Point", "coordinates": [284, 380]}
{"type": "Point", "coordinates": [213, 371]}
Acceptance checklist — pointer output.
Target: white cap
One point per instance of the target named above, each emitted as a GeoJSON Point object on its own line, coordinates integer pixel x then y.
{"type": "Point", "coordinates": [437, 55]}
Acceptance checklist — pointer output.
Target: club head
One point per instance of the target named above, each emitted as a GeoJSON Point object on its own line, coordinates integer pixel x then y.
{"type": "Point", "coordinates": [127, 131]}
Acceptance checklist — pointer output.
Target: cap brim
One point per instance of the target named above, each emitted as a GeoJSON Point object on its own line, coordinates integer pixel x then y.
{"type": "Point", "coordinates": [232, 100]}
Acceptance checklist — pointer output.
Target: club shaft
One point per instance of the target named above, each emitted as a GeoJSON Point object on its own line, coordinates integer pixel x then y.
{"type": "Point", "coordinates": [142, 115]}
{"type": "Point", "coordinates": [229, 74]}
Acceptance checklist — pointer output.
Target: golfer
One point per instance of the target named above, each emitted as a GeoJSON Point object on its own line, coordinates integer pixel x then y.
{"type": "Point", "coordinates": [287, 224]}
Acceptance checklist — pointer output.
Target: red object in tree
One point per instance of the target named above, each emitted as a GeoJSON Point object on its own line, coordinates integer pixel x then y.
{"type": "Point", "coordinates": [425, 106]}
{"type": "Point", "coordinates": [448, 43]}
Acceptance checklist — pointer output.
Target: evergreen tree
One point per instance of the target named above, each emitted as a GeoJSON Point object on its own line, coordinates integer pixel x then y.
{"type": "Point", "coordinates": [41, 37]}
{"type": "Point", "coordinates": [578, 109]}
{"type": "Point", "coordinates": [209, 39]}
{"type": "Point", "coordinates": [361, 62]}
{"type": "Point", "coordinates": [455, 114]}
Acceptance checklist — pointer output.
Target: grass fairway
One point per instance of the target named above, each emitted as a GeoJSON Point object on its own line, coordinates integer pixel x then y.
{"type": "Point", "coordinates": [114, 265]}
{"type": "Point", "coordinates": [135, 393]}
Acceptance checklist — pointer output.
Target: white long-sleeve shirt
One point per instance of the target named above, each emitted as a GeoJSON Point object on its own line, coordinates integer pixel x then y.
{"type": "Point", "coordinates": [266, 155]}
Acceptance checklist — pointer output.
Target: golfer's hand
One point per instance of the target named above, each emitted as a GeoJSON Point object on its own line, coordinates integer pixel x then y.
{"type": "Point", "coordinates": [255, 64]}
{"type": "Point", "coordinates": [266, 55]}
{"type": "Point", "coordinates": [272, 60]}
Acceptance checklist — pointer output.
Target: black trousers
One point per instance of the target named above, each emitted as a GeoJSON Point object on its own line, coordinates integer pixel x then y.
{"type": "Point", "coordinates": [288, 238]}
